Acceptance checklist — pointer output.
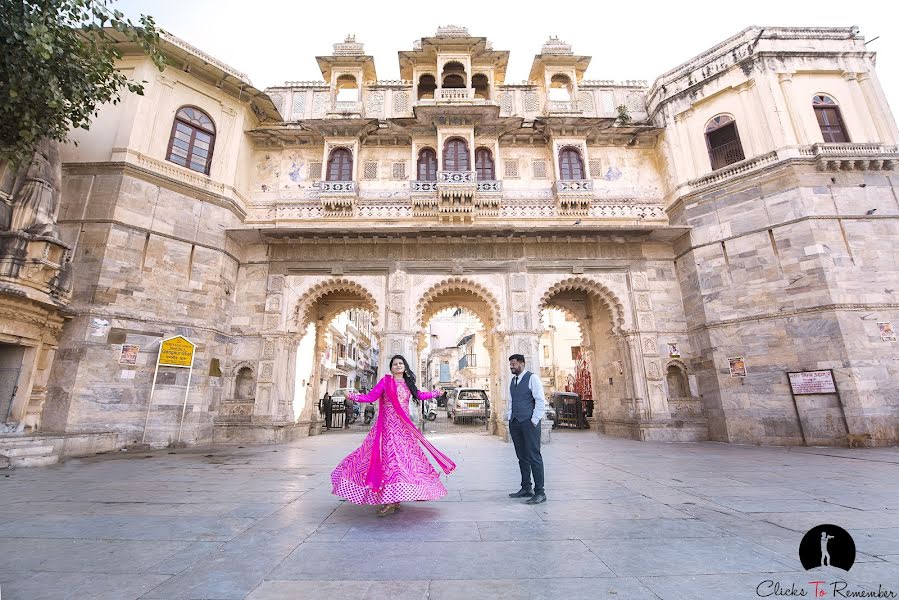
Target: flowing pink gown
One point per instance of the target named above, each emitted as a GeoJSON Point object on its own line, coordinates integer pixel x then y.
{"type": "Point", "coordinates": [400, 472]}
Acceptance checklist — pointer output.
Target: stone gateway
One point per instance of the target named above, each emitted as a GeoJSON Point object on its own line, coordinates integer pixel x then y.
{"type": "Point", "coordinates": [741, 205]}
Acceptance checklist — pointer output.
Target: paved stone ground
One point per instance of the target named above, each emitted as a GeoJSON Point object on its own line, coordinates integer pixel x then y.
{"type": "Point", "coordinates": [625, 520]}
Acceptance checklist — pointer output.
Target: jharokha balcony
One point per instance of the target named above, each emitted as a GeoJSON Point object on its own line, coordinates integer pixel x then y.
{"type": "Point", "coordinates": [338, 196]}
{"type": "Point", "coordinates": [456, 196]}
{"type": "Point", "coordinates": [574, 195]}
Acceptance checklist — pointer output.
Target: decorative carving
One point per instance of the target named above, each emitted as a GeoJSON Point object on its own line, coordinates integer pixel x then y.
{"type": "Point", "coordinates": [585, 100]}
{"type": "Point", "coordinates": [397, 347]}
{"type": "Point", "coordinates": [36, 191]}
{"type": "Point", "coordinates": [375, 104]}
{"type": "Point", "coordinates": [275, 283]}
{"type": "Point", "coordinates": [400, 102]}
{"type": "Point", "coordinates": [266, 371]}
{"type": "Point", "coordinates": [268, 349]}
{"type": "Point", "coordinates": [531, 102]}
{"type": "Point", "coordinates": [639, 281]}
{"type": "Point", "coordinates": [653, 371]}
{"type": "Point", "coordinates": [273, 303]}
{"type": "Point", "coordinates": [650, 346]}
{"type": "Point", "coordinates": [298, 106]}
{"type": "Point", "coordinates": [646, 321]}
{"type": "Point", "coordinates": [320, 101]}
{"type": "Point", "coordinates": [643, 302]}
{"type": "Point", "coordinates": [591, 287]}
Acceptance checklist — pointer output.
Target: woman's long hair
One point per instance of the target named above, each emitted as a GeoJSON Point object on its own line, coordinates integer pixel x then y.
{"type": "Point", "coordinates": [408, 375]}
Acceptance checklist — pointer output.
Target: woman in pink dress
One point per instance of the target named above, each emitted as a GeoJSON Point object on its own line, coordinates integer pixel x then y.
{"type": "Point", "coordinates": [390, 467]}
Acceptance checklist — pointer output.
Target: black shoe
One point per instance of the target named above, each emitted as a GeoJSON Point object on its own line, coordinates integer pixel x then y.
{"type": "Point", "coordinates": [522, 493]}
{"type": "Point", "coordinates": [538, 498]}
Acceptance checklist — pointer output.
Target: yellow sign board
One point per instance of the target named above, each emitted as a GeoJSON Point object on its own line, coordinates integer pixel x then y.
{"type": "Point", "coordinates": [177, 352]}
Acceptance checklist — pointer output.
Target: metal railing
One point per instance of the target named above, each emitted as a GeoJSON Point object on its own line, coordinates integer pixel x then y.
{"type": "Point", "coordinates": [469, 360]}
{"type": "Point", "coordinates": [727, 154]}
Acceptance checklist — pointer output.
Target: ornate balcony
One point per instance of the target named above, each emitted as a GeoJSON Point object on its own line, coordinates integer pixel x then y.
{"type": "Point", "coordinates": [574, 196]}
{"type": "Point", "coordinates": [424, 198]}
{"type": "Point", "coordinates": [338, 196]}
{"type": "Point", "coordinates": [562, 108]}
{"type": "Point", "coordinates": [456, 184]}
{"type": "Point", "coordinates": [344, 109]}
{"type": "Point", "coordinates": [424, 187]}
{"type": "Point", "coordinates": [463, 95]}
{"type": "Point", "coordinates": [488, 197]}
{"type": "Point", "coordinates": [848, 157]}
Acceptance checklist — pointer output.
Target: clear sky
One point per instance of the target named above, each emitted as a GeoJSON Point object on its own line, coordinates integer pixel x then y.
{"type": "Point", "coordinates": [274, 41]}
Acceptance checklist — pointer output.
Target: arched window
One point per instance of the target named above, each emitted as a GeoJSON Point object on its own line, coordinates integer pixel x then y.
{"type": "Point", "coordinates": [347, 89]}
{"type": "Point", "coordinates": [483, 164]}
{"type": "Point", "coordinates": [481, 86]}
{"type": "Point", "coordinates": [454, 75]}
{"type": "Point", "coordinates": [723, 142]}
{"type": "Point", "coordinates": [193, 137]}
{"type": "Point", "coordinates": [426, 86]}
{"type": "Point", "coordinates": [560, 88]}
{"type": "Point", "coordinates": [455, 155]}
{"type": "Point", "coordinates": [571, 166]}
{"type": "Point", "coordinates": [427, 165]}
{"type": "Point", "coordinates": [340, 165]}
{"type": "Point", "coordinates": [829, 119]}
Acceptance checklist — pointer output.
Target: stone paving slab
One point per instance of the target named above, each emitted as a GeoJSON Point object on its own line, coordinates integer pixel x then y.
{"type": "Point", "coordinates": [625, 520]}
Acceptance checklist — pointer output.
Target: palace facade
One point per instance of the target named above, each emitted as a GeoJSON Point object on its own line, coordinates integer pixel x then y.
{"type": "Point", "coordinates": [711, 232]}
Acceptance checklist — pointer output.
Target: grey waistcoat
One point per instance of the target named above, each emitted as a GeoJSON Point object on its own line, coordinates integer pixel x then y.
{"type": "Point", "coordinates": [523, 401]}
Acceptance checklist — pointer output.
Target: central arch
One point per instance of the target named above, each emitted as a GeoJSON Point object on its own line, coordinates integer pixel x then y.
{"type": "Point", "coordinates": [468, 295]}
{"type": "Point", "coordinates": [601, 316]}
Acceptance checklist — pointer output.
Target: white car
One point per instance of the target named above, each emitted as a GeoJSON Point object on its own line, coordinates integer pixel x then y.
{"type": "Point", "coordinates": [468, 404]}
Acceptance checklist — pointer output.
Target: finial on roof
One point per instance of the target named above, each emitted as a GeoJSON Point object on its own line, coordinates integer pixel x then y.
{"type": "Point", "coordinates": [452, 31]}
{"type": "Point", "coordinates": [349, 47]}
{"type": "Point", "coordinates": [556, 46]}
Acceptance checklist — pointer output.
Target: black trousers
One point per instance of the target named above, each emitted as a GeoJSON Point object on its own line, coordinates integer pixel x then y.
{"type": "Point", "coordinates": [526, 439]}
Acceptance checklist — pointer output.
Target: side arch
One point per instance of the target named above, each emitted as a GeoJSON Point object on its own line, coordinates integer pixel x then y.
{"type": "Point", "coordinates": [337, 295]}
{"type": "Point", "coordinates": [591, 287]}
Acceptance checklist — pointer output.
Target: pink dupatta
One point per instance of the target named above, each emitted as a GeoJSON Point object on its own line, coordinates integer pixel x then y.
{"type": "Point", "coordinates": [386, 388]}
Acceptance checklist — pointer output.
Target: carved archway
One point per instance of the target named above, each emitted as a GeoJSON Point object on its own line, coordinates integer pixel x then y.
{"type": "Point", "coordinates": [601, 316]}
{"type": "Point", "coordinates": [574, 285]}
{"type": "Point", "coordinates": [459, 292]}
{"type": "Point", "coordinates": [329, 298]}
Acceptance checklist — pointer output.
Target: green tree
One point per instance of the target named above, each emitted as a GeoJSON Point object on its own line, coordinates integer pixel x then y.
{"type": "Point", "coordinates": [57, 66]}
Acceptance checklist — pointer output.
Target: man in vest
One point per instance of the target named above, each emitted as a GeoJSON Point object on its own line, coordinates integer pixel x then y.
{"type": "Point", "coordinates": [524, 413]}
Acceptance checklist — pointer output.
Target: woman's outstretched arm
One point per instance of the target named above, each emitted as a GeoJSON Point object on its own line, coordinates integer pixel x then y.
{"type": "Point", "coordinates": [372, 396]}
{"type": "Point", "coordinates": [428, 395]}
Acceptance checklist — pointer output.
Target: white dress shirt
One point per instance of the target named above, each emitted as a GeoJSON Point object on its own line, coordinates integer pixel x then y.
{"type": "Point", "coordinates": [536, 386]}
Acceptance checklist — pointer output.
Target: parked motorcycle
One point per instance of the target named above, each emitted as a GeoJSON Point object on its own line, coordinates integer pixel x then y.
{"type": "Point", "coordinates": [369, 414]}
{"type": "Point", "coordinates": [430, 410]}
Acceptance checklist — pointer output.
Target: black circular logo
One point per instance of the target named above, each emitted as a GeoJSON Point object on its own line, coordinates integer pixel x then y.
{"type": "Point", "coordinates": [827, 545]}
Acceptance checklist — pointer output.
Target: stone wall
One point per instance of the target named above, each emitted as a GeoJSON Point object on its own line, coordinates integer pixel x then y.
{"type": "Point", "coordinates": [788, 270]}
{"type": "Point", "coordinates": [151, 262]}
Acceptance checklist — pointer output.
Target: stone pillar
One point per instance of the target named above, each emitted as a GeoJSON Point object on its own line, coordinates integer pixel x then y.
{"type": "Point", "coordinates": [872, 100]}
{"type": "Point", "coordinates": [749, 129]}
{"type": "Point", "coordinates": [786, 87]}
{"type": "Point", "coordinates": [860, 108]}
{"type": "Point", "coordinates": [637, 377]}
{"type": "Point", "coordinates": [783, 134]}
{"type": "Point", "coordinates": [688, 144]}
